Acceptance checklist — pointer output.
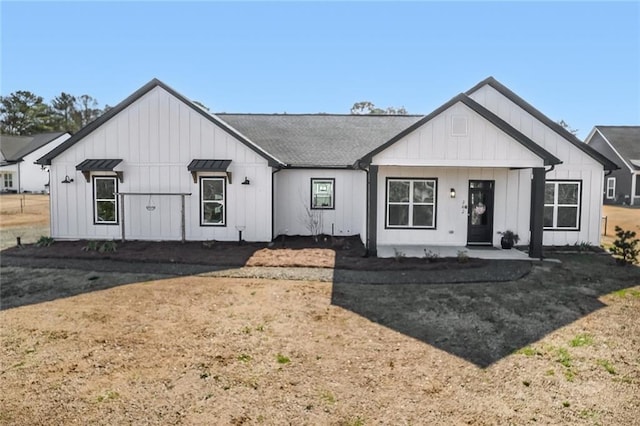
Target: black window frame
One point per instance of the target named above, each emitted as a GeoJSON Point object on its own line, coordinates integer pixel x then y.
{"type": "Point", "coordinates": [116, 204]}
{"type": "Point", "coordinates": [556, 205]}
{"type": "Point", "coordinates": [333, 193]}
{"type": "Point", "coordinates": [411, 203]}
{"type": "Point", "coordinates": [224, 200]}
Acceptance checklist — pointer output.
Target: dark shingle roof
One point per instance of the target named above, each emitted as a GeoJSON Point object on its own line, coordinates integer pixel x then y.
{"type": "Point", "coordinates": [14, 148]}
{"type": "Point", "coordinates": [625, 140]}
{"type": "Point", "coordinates": [321, 140]}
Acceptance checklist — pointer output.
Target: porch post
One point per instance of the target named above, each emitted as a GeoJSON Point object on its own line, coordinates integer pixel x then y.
{"type": "Point", "coordinates": [537, 212]}
{"type": "Point", "coordinates": [372, 211]}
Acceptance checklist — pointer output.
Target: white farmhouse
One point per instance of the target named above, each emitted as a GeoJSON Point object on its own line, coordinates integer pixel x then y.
{"type": "Point", "coordinates": [18, 155]}
{"type": "Point", "coordinates": [158, 167]}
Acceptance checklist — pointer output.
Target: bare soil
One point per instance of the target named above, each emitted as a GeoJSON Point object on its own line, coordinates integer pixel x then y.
{"type": "Point", "coordinates": [558, 346]}
{"type": "Point", "coordinates": [214, 334]}
{"type": "Point", "coordinates": [628, 218]}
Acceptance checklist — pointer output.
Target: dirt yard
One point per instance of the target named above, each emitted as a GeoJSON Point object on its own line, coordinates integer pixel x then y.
{"type": "Point", "coordinates": [25, 216]}
{"type": "Point", "coordinates": [625, 217]}
{"type": "Point", "coordinates": [100, 340]}
{"type": "Point", "coordinates": [559, 346]}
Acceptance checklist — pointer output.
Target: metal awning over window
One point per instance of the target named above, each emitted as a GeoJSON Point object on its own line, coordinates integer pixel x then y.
{"type": "Point", "coordinates": [99, 165]}
{"type": "Point", "coordinates": [197, 166]}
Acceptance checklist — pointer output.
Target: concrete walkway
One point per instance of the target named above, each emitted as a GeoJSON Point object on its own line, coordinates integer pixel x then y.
{"type": "Point", "coordinates": [480, 252]}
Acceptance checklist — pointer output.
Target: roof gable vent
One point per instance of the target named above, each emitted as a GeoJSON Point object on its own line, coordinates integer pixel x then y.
{"type": "Point", "coordinates": [459, 125]}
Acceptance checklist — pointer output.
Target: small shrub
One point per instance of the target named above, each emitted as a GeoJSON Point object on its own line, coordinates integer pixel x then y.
{"type": "Point", "coordinates": [431, 256]}
{"type": "Point", "coordinates": [44, 241]}
{"type": "Point", "coordinates": [566, 404]}
{"type": "Point", "coordinates": [526, 383]}
{"type": "Point", "coordinates": [328, 397]}
{"type": "Point", "coordinates": [282, 359]}
{"type": "Point", "coordinates": [398, 255]}
{"type": "Point", "coordinates": [108, 395]}
{"type": "Point", "coordinates": [581, 340]}
{"type": "Point", "coordinates": [583, 246]}
{"type": "Point", "coordinates": [91, 246]}
{"type": "Point", "coordinates": [108, 247]}
{"type": "Point", "coordinates": [625, 247]}
{"type": "Point", "coordinates": [463, 257]}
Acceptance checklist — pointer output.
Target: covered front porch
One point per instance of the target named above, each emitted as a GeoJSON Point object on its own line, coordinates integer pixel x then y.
{"type": "Point", "coordinates": [439, 251]}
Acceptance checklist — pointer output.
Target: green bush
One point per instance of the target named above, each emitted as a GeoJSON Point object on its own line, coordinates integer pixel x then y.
{"type": "Point", "coordinates": [44, 241]}
{"type": "Point", "coordinates": [625, 247]}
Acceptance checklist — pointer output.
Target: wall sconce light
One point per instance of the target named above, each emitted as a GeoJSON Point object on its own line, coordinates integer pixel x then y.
{"type": "Point", "coordinates": [246, 181]}
{"type": "Point", "coordinates": [453, 193]}
{"type": "Point", "coordinates": [67, 179]}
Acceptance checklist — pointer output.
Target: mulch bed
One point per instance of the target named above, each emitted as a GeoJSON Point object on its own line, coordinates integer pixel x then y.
{"type": "Point", "coordinates": [327, 252]}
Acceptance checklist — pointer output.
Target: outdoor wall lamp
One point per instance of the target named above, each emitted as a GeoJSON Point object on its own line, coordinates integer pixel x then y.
{"type": "Point", "coordinates": [453, 193]}
{"type": "Point", "coordinates": [67, 179]}
{"type": "Point", "coordinates": [246, 181]}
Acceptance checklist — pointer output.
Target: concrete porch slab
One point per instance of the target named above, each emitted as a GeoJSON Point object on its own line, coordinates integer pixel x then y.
{"type": "Point", "coordinates": [452, 251]}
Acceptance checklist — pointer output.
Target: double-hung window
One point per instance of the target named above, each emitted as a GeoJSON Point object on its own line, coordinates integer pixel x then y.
{"type": "Point", "coordinates": [8, 180]}
{"type": "Point", "coordinates": [611, 188]}
{"type": "Point", "coordinates": [411, 203]}
{"type": "Point", "coordinates": [562, 205]}
{"type": "Point", "coordinates": [322, 193]}
{"type": "Point", "coordinates": [213, 201]}
{"type": "Point", "coordinates": [105, 200]}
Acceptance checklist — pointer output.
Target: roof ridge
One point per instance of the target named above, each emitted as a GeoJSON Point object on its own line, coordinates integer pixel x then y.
{"type": "Point", "coordinates": [315, 114]}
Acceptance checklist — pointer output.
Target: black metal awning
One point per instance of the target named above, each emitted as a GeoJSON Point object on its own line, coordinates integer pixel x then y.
{"type": "Point", "coordinates": [99, 165]}
{"type": "Point", "coordinates": [199, 165]}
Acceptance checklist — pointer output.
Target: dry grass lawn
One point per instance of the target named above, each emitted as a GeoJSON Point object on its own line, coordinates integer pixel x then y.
{"type": "Point", "coordinates": [625, 217]}
{"type": "Point", "coordinates": [201, 350]}
{"type": "Point", "coordinates": [560, 346]}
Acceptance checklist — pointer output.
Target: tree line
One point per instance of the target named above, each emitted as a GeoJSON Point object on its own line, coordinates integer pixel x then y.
{"type": "Point", "coordinates": [24, 113]}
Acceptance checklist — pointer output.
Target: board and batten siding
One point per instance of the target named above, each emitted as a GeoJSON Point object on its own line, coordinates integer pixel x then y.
{"type": "Point", "coordinates": [484, 152]}
{"type": "Point", "coordinates": [438, 143]}
{"type": "Point", "coordinates": [293, 196]}
{"type": "Point", "coordinates": [157, 136]}
{"type": "Point", "coordinates": [576, 165]}
{"type": "Point", "coordinates": [512, 189]}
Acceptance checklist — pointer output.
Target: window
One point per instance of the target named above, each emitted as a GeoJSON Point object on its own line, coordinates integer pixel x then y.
{"type": "Point", "coordinates": [611, 188]}
{"type": "Point", "coordinates": [212, 201]}
{"type": "Point", "coordinates": [8, 180]}
{"type": "Point", "coordinates": [105, 205]}
{"type": "Point", "coordinates": [322, 193]}
{"type": "Point", "coordinates": [411, 203]}
{"type": "Point", "coordinates": [637, 185]}
{"type": "Point", "coordinates": [562, 205]}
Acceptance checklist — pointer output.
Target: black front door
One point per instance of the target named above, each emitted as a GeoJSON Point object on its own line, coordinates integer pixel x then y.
{"type": "Point", "coordinates": [480, 223]}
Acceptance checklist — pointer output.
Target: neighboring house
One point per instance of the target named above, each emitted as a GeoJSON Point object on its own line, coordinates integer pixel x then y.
{"type": "Point", "coordinates": [158, 167]}
{"type": "Point", "coordinates": [18, 154]}
{"type": "Point", "coordinates": [622, 145]}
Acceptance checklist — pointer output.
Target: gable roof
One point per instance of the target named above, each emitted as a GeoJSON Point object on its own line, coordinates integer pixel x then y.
{"type": "Point", "coordinates": [505, 91]}
{"type": "Point", "coordinates": [319, 140]}
{"type": "Point", "coordinates": [46, 159]}
{"type": "Point", "coordinates": [546, 156]}
{"type": "Point", "coordinates": [625, 141]}
{"type": "Point", "coordinates": [15, 148]}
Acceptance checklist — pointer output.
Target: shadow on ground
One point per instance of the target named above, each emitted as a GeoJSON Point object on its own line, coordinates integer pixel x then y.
{"type": "Point", "coordinates": [484, 322]}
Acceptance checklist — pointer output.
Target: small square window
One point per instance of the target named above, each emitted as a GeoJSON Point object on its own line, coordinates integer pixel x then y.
{"type": "Point", "coordinates": [322, 193]}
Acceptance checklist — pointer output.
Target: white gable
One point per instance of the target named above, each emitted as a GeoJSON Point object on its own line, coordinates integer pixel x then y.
{"type": "Point", "coordinates": [531, 127]}
{"type": "Point", "coordinates": [458, 136]}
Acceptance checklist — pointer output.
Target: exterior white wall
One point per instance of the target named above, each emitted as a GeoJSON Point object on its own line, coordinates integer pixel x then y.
{"type": "Point", "coordinates": [157, 137]}
{"type": "Point", "coordinates": [512, 200]}
{"type": "Point", "coordinates": [33, 177]}
{"type": "Point", "coordinates": [576, 165]}
{"type": "Point", "coordinates": [436, 144]}
{"type": "Point", "coordinates": [293, 194]}
{"type": "Point", "coordinates": [14, 170]}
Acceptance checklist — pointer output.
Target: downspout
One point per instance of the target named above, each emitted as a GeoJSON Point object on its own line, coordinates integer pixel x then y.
{"type": "Point", "coordinates": [359, 166]}
{"type": "Point", "coordinates": [273, 201]}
